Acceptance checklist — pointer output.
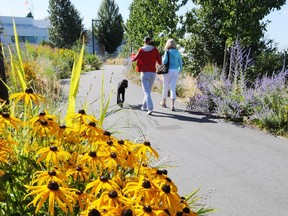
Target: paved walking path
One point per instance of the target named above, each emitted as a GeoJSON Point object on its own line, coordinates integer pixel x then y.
{"type": "Point", "coordinates": [239, 170]}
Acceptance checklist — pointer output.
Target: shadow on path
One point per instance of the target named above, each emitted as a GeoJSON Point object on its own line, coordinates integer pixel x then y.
{"type": "Point", "coordinates": [175, 115]}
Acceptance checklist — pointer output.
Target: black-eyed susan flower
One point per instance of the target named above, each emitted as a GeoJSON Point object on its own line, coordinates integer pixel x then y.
{"type": "Point", "coordinates": [144, 150]}
{"type": "Point", "coordinates": [141, 190]}
{"type": "Point", "coordinates": [28, 97]}
{"type": "Point", "coordinates": [112, 162]}
{"type": "Point", "coordinates": [44, 177]}
{"type": "Point", "coordinates": [91, 131]}
{"type": "Point", "coordinates": [8, 120]}
{"type": "Point", "coordinates": [44, 127]}
{"type": "Point", "coordinates": [79, 172]}
{"type": "Point", "coordinates": [81, 117]}
{"type": "Point", "coordinates": [83, 199]}
{"type": "Point", "coordinates": [94, 160]}
{"type": "Point", "coordinates": [148, 210]}
{"type": "Point", "coordinates": [53, 155]}
{"type": "Point", "coordinates": [113, 199]}
{"type": "Point", "coordinates": [102, 211]}
{"type": "Point", "coordinates": [101, 184]}
{"type": "Point", "coordinates": [43, 116]}
{"type": "Point", "coordinates": [6, 149]}
{"type": "Point", "coordinates": [63, 196]}
{"type": "Point", "coordinates": [169, 199]}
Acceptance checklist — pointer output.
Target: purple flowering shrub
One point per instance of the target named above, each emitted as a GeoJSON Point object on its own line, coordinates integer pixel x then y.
{"type": "Point", "coordinates": [263, 103]}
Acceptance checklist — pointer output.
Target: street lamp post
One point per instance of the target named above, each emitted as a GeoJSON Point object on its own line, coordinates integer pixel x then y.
{"type": "Point", "coordinates": [93, 20]}
{"type": "Point", "coordinates": [93, 36]}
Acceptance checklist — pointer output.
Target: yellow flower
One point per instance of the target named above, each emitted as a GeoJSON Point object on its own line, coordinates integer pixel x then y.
{"type": "Point", "coordinates": [113, 199]}
{"type": "Point", "coordinates": [144, 191]}
{"type": "Point", "coordinates": [79, 171]}
{"type": "Point", "coordinates": [81, 117]}
{"type": "Point", "coordinates": [5, 149]}
{"type": "Point", "coordinates": [67, 134]}
{"type": "Point", "coordinates": [101, 184]}
{"type": "Point", "coordinates": [28, 96]}
{"type": "Point", "coordinates": [6, 120]}
{"type": "Point", "coordinates": [169, 199]}
{"type": "Point", "coordinates": [83, 199]}
{"type": "Point", "coordinates": [43, 177]}
{"type": "Point", "coordinates": [104, 211]}
{"type": "Point", "coordinates": [148, 210]}
{"type": "Point", "coordinates": [52, 154]}
{"type": "Point", "coordinates": [43, 126]}
{"type": "Point", "coordinates": [91, 131]}
{"type": "Point", "coordinates": [143, 149]}
{"type": "Point", "coordinates": [113, 161]}
{"type": "Point", "coordinates": [93, 160]}
{"type": "Point", "coordinates": [62, 196]}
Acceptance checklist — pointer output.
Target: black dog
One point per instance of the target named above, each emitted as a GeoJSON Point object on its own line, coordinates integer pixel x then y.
{"type": "Point", "coordinates": [121, 92]}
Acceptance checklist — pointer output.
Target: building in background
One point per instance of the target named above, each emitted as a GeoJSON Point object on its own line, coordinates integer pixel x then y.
{"type": "Point", "coordinates": [36, 31]}
{"type": "Point", "coordinates": [28, 29]}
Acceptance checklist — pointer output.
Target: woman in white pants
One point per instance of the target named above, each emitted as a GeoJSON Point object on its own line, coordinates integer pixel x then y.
{"type": "Point", "coordinates": [175, 67]}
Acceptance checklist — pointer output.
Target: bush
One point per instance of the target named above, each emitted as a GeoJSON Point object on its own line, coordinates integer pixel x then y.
{"type": "Point", "coordinates": [91, 62]}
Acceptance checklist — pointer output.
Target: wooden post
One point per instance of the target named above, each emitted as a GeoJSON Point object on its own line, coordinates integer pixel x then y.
{"type": "Point", "coordinates": [3, 89]}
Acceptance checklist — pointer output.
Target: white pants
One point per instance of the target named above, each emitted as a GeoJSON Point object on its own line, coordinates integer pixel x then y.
{"type": "Point", "coordinates": [170, 81]}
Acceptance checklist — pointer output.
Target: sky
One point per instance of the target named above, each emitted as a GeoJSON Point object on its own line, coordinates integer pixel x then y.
{"type": "Point", "coordinates": [277, 29]}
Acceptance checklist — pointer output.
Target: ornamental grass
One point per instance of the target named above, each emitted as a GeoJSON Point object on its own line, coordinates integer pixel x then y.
{"type": "Point", "coordinates": [73, 166]}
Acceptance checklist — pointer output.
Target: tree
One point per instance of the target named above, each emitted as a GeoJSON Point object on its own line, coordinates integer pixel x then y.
{"type": "Point", "coordinates": [1, 28]}
{"type": "Point", "coordinates": [30, 15]}
{"type": "Point", "coordinates": [66, 25]}
{"type": "Point", "coordinates": [154, 18]}
{"type": "Point", "coordinates": [108, 29]}
{"type": "Point", "coordinates": [215, 25]}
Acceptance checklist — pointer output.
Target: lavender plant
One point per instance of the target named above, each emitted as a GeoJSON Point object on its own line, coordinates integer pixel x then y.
{"type": "Point", "coordinates": [264, 103]}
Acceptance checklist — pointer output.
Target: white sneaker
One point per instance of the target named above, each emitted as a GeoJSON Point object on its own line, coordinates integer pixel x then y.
{"type": "Point", "coordinates": [149, 112]}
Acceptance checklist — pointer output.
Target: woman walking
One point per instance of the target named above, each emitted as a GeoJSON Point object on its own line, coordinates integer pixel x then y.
{"type": "Point", "coordinates": [170, 79]}
{"type": "Point", "coordinates": [146, 58]}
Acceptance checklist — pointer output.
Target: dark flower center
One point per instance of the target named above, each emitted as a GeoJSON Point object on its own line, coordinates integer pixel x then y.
{"type": "Point", "coordinates": [127, 212]}
{"type": "Point", "coordinates": [168, 180]}
{"type": "Point", "coordinates": [62, 127]}
{"type": "Point", "coordinates": [166, 188]}
{"type": "Point", "coordinates": [147, 208]}
{"type": "Point", "coordinates": [94, 212]}
{"type": "Point", "coordinates": [113, 194]}
{"type": "Point", "coordinates": [52, 173]}
{"type": "Point", "coordinates": [120, 142]}
{"type": "Point", "coordinates": [5, 115]}
{"type": "Point", "coordinates": [167, 211]}
{"type": "Point", "coordinates": [113, 155]}
{"type": "Point", "coordinates": [44, 122]}
{"type": "Point", "coordinates": [79, 192]}
{"type": "Point", "coordinates": [92, 154]}
{"type": "Point", "coordinates": [179, 213]}
{"type": "Point", "coordinates": [186, 210]}
{"type": "Point", "coordinates": [53, 148]}
{"type": "Point", "coordinates": [107, 133]}
{"type": "Point", "coordinates": [92, 124]}
{"type": "Point", "coordinates": [42, 114]}
{"type": "Point", "coordinates": [147, 143]}
{"type": "Point", "coordinates": [78, 168]}
{"type": "Point", "coordinates": [146, 184]}
{"type": "Point", "coordinates": [82, 112]}
{"type": "Point", "coordinates": [29, 91]}
{"type": "Point", "coordinates": [164, 172]}
{"type": "Point", "coordinates": [159, 172]}
{"type": "Point", "coordinates": [104, 178]}
{"type": "Point", "coordinates": [110, 142]}
{"type": "Point", "coordinates": [53, 185]}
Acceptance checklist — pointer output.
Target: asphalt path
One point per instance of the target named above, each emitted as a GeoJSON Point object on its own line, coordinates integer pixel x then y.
{"type": "Point", "coordinates": [240, 171]}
